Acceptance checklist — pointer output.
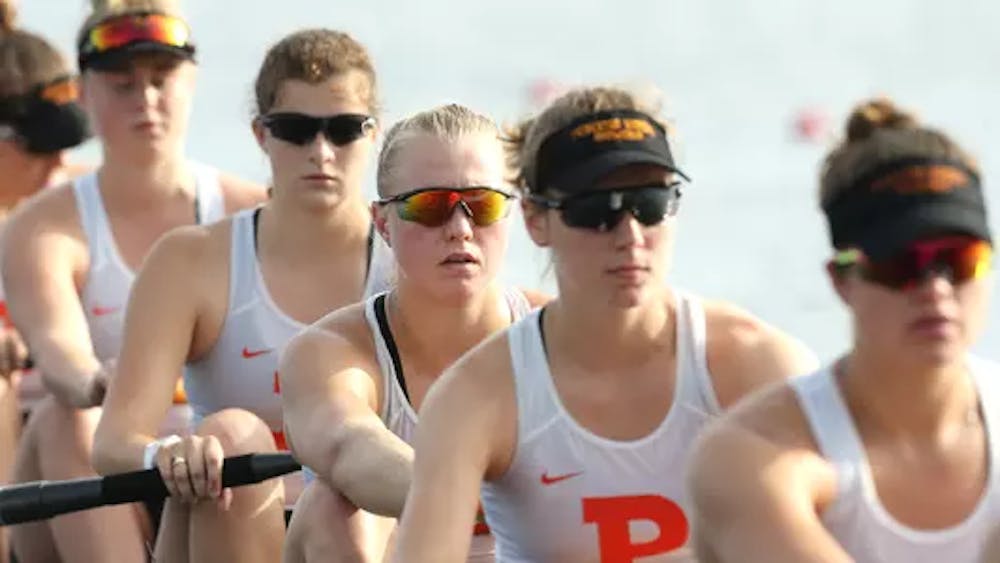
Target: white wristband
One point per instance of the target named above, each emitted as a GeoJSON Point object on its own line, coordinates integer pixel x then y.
{"type": "Point", "coordinates": [153, 448]}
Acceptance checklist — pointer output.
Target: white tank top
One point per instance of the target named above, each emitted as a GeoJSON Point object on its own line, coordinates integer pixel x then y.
{"type": "Point", "coordinates": [109, 279]}
{"type": "Point", "coordinates": [241, 369]}
{"type": "Point", "coordinates": [856, 517]}
{"type": "Point", "coordinates": [397, 413]}
{"type": "Point", "coordinates": [570, 495]}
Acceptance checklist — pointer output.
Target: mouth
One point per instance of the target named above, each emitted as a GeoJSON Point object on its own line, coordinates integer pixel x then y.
{"type": "Point", "coordinates": [459, 258]}
{"type": "Point", "coordinates": [932, 322]}
{"type": "Point", "coordinates": [627, 269]}
{"type": "Point", "coordinates": [319, 178]}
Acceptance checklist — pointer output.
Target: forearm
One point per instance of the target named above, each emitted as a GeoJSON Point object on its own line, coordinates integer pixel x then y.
{"type": "Point", "coordinates": [116, 452]}
{"type": "Point", "coordinates": [370, 466]}
{"type": "Point", "coordinates": [66, 368]}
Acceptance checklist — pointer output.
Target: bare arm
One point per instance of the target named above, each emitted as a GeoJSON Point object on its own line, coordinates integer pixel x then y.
{"type": "Point", "coordinates": [756, 503]}
{"type": "Point", "coordinates": [40, 263]}
{"type": "Point", "coordinates": [466, 433]}
{"type": "Point", "coordinates": [329, 404]}
{"type": "Point", "coordinates": [159, 328]}
{"type": "Point", "coordinates": [746, 354]}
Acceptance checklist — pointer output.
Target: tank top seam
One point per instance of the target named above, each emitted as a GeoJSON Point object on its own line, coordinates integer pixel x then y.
{"type": "Point", "coordinates": [862, 491]}
{"type": "Point", "coordinates": [702, 387]}
{"type": "Point", "coordinates": [573, 426]}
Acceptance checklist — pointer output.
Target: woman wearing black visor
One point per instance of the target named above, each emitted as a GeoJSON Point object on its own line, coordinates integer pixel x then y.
{"type": "Point", "coordinates": [578, 420]}
{"type": "Point", "coordinates": [39, 121]}
{"type": "Point", "coordinates": [70, 255]}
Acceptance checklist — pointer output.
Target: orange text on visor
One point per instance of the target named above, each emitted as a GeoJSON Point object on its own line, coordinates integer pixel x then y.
{"type": "Point", "coordinates": [154, 30]}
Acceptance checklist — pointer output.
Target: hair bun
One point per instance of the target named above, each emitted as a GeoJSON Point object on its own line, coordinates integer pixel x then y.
{"type": "Point", "coordinates": [8, 16]}
{"type": "Point", "coordinates": [879, 113]}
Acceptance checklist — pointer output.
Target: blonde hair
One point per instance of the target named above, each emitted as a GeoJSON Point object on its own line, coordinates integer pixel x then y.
{"type": "Point", "coordinates": [878, 132]}
{"type": "Point", "coordinates": [104, 9]}
{"type": "Point", "coordinates": [524, 139]}
{"type": "Point", "coordinates": [448, 122]}
{"type": "Point", "coordinates": [26, 60]}
{"type": "Point", "coordinates": [313, 56]}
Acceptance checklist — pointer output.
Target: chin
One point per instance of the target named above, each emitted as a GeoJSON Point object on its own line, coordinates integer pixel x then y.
{"type": "Point", "coordinates": [631, 297]}
{"type": "Point", "coordinates": [459, 291]}
{"type": "Point", "coordinates": [940, 353]}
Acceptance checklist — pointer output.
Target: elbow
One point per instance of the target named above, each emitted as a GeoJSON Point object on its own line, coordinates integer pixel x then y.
{"type": "Point", "coordinates": [343, 460]}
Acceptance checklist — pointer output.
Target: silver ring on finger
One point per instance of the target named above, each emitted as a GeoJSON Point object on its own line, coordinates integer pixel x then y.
{"type": "Point", "coordinates": [177, 460]}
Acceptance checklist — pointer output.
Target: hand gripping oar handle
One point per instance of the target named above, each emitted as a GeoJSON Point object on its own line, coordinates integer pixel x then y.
{"type": "Point", "coordinates": [44, 499]}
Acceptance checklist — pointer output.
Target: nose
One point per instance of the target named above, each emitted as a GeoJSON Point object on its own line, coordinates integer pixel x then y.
{"type": "Point", "coordinates": [459, 224]}
{"type": "Point", "coordinates": [149, 94]}
{"type": "Point", "coordinates": [628, 232]}
{"type": "Point", "coordinates": [935, 285]}
{"type": "Point", "coordinates": [321, 150]}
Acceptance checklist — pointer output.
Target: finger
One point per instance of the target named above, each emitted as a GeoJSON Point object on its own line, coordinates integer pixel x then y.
{"type": "Point", "coordinates": [225, 499]}
{"type": "Point", "coordinates": [214, 457]}
{"type": "Point", "coordinates": [196, 468]}
{"type": "Point", "coordinates": [179, 466]}
{"type": "Point", "coordinates": [6, 355]}
{"type": "Point", "coordinates": [20, 353]}
{"type": "Point", "coordinates": [163, 458]}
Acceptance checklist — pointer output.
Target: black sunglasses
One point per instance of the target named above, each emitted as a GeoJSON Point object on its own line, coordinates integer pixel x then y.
{"type": "Point", "coordinates": [301, 129]}
{"type": "Point", "coordinates": [602, 210]}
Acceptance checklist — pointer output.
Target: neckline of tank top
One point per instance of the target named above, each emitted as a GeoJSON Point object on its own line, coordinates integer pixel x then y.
{"type": "Point", "coordinates": [382, 319]}
{"type": "Point", "coordinates": [369, 242]}
{"type": "Point", "coordinates": [677, 402]}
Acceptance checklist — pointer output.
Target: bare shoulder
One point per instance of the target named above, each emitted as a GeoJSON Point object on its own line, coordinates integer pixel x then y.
{"type": "Point", "coordinates": [535, 298]}
{"type": "Point", "coordinates": [195, 245]}
{"type": "Point", "coordinates": [746, 353]}
{"type": "Point", "coordinates": [767, 430]}
{"type": "Point", "coordinates": [50, 210]}
{"type": "Point", "coordinates": [339, 341]}
{"type": "Point", "coordinates": [240, 193]}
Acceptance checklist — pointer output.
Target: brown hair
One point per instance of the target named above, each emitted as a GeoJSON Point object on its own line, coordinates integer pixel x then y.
{"type": "Point", "coordinates": [878, 132]}
{"type": "Point", "coordinates": [313, 55]}
{"type": "Point", "coordinates": [104, 9]}
{"type": "Point", "coordinates": [447, 122]}
{"type": "Point", "coordinates": [26, 60]}
{"type": "Point", "coordinates": [525, 138]}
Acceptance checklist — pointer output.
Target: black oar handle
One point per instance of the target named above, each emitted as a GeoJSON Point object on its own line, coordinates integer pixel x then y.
{"type": "Point", "coordinates": [44, 499]}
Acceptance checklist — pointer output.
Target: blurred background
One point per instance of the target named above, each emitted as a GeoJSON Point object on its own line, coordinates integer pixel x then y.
{"type": "Point", "coordinates": [758, 92]}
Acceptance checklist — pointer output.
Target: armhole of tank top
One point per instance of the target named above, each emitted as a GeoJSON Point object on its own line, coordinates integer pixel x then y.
{"type": "Point", "coordinates": [85, 191]}
{"type": "Point", "coordinates": [383, 327]}
{"type": "Point", "coordinates": [833, 429]}
{"type": "Point", "coordinates": [242, 259]}
{"type": "Point", "coordinates": [534, 404]}
{"type": "Point", "coordinates": [692, 315]}
{"type": "Point", "coordinates": [985, 375]}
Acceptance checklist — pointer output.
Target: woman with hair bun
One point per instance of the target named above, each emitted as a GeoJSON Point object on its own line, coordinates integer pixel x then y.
{"type": "Point", "coordinates": [40, 121]}
{"type": "Point", "coordinates": [892, 452]}
{"type": "Point", "coordinates": [69, 257]}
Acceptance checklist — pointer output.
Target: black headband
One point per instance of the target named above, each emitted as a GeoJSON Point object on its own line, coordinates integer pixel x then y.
{"type": "Point", "coordinates": [576, 156]}
{"type": "Point", "coordinates": [905, 200]}
{"type": "Point", "coordinates": [47, 119]}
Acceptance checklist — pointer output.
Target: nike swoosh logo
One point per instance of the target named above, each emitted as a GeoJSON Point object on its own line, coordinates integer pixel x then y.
{"type": "Point", "coordinates": [247, 353]}
{"type": "Point", "coordinates": [546, 480]}
{"type": "Point", "coordinates": [99, 311]}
